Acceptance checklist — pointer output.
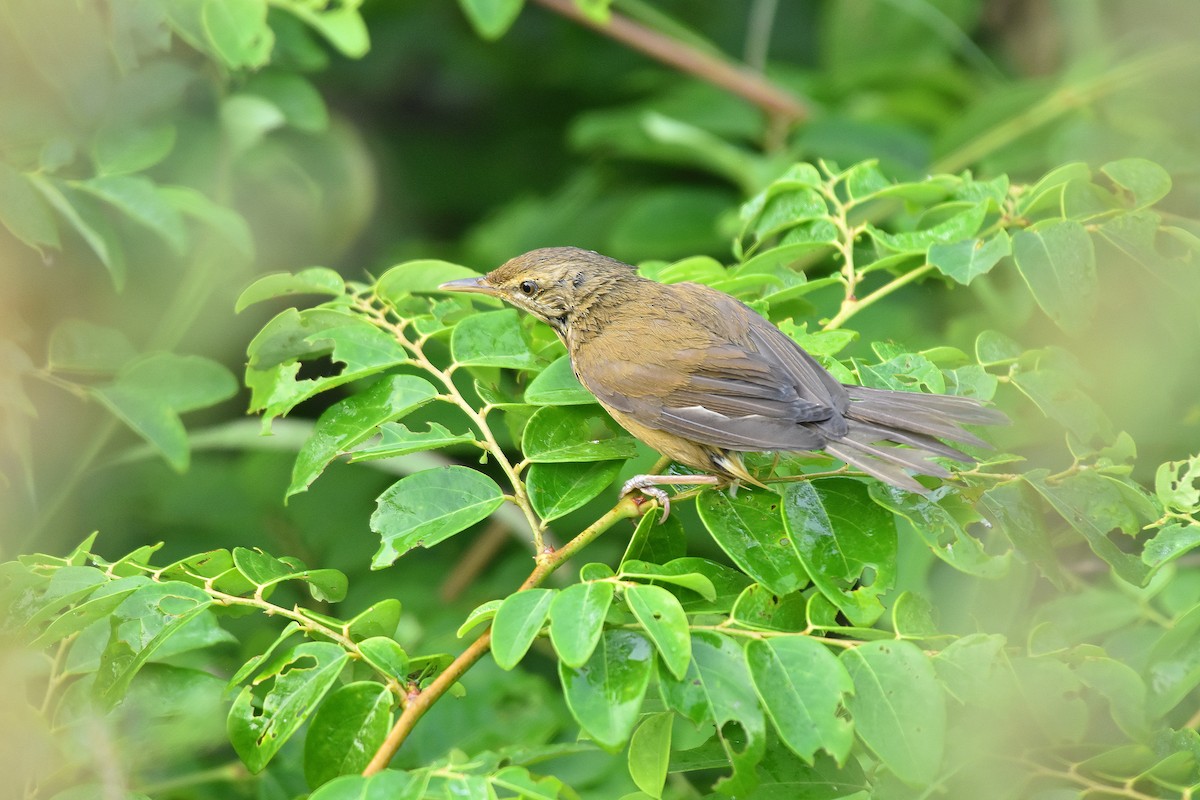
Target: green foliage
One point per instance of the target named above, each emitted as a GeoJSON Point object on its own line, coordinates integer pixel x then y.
{"type": "Point", "coordinates": [1027, 628]}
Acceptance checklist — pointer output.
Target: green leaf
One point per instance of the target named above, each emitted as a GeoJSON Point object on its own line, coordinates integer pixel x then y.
{"type": "Point", "coordinates": [77, 345]}
{"type": "Point", "coordinates": [238, 32]}
{"type": "Point", "coordinates": [484, 612]}
{"type": "Point", "coordinates": [149, 394]}
{"type": "Point", "coordinates": [141, 625]}
{"type": "Point", "coordinates": [676, 572]}
{"type": "Point", "coordinates": [100, 604]}
{"type": "Point", "coordinates": [1170, 543]}
{"type": "Point", "coordinates": [557, 385]}
{"type": "Point", "coordinates": [385, 785]}
{"type": "Point", "coordinates": [430, 506]}
{"type": "Point", "coordinates": [247, 119]}
{"type": "Point", "coordinates": [1013, 512]}
{"type": "Point", "coordinates": [649, 753]}
{"type": "Point", "coordinates": [364, 350]}
{"type": "Point", "coordinates": [840, 535]}
{"type": "Point", "coordinates": [558, 489]}
{"type": "Point", "coordinates": [254, 662]}
{"type": "Point", "coordinates": [1048, 190]}
{"type": "Point", "coordinates": [264, 571]}
{"type": "Point", "coordinates": [718, 690]}
{"type": "Point", "coordinates": [1094, 505]}
{"type": "Point", "coordinates": [420, 277]}
{"type": "Point", "coordinates": [969, 668]}
{"type": "Point", "coordinates": [397, 440]}
{"type": "Point", "coordinates": [124, 149]}
{"type": "Point", "coordinates": [352, 421]}
{"type": "Point", "coordinates": [749, 528]}
{"type": "Point", "coordinates": [656, 541]}
{"type": "Point", "coordinates": [993, 347]}
{"type": "Point", "coordinates": [1058, 262]}
{"type": "Point", "coordinates": [24, 212]}
{"type": "Point", "coordinates": [342, 26]}
{"type": "Point", "coordinates": [386, 656]}
{"type": "Point", "coordinates": [492, 339]}
{"type": "Point", "coordinates": [138, 198]}
{"type": "Point", "coordinates": [301, 677]}
{"type": "Point", "coordinates": [966, 260]}
{"type": "Point", "coordinates": [605, 694]}
{"type": "Point", "coordinates": [802, 686]}
{"type": "Point", "coordinates": [81, 214]}
{"type": "Point", "coordinates": [225, 221]}
{"type": "Point", "coordinates": [380, 619]}
{"type": "Point", "coordinates": [962, 225]}
{"type": "Point", "coordinates": [941, 530]}
{"type": "Point", "coordinates": [518, 622]}
{"type": "Point", "coordinates": [1146, 182]}
{"type": "Point", "coordinates": [314, 280]}
{"type": "Point", "coordinates": [665, 623]}
{"type": "Point", "coordinates": [491, 19]}
{"type": "Point", "coordinates": [577, 620]}
{"type": "Point", "coordinates": [760, 608]}
{"type": "Point", "coordinates": [292, 94]}
{"type": "Point", "coordinates": [1124, 690]}
{"type": "Point", "coordinates": [346, 731]}
{"type": "Point", "coordinates": [575, 433]}
{"type": "Point", "coordinates": [1177, 484]}
{"type": "Point", "coordinates": [898, 708]}
{"type": "Point", "coordinates": [1060, 399]}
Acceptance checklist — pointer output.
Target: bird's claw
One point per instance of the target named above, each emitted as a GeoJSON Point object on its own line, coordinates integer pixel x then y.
{"type": "Point", "coordinates": [636, 484]}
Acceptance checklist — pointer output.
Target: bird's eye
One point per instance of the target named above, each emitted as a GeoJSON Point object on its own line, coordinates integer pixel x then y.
{"type": "Point", "coordinates": [528, 287]}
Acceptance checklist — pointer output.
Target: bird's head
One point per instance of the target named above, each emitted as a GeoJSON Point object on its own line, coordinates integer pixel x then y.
{"type": "Point", "coordinates": [553, 283]}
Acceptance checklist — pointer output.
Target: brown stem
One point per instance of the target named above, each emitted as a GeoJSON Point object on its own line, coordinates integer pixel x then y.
{"type": "Point", "coordinates": [421, 702]}
{"type": "Point", "coordinates": [780, 105]}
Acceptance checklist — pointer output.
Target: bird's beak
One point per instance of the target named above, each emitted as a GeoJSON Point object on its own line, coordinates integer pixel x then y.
{"type": "Point", "coordinates": [476, 285]}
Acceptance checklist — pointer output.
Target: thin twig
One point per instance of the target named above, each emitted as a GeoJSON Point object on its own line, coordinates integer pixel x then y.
{"type": "Point", "coordinates": [778, 103]}
{"type": "Point", "coordinates": [422, 701]}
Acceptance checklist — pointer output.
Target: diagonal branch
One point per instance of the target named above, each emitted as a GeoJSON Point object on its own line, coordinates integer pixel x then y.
{"type": "Point", "coordinates": [781, 106]}
{"type": "Point", "coordinates": [421, 701]}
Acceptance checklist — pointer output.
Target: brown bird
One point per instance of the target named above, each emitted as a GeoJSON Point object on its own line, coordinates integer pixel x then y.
{"type": "Point", "coordinates": [703, 378]}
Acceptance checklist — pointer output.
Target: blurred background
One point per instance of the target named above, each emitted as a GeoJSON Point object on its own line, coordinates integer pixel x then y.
{"type": "Point", "coordinates": [155, 158]}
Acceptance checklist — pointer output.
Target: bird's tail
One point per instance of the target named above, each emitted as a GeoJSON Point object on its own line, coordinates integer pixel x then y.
{"type": "Point", "coordinates": [892, 434]}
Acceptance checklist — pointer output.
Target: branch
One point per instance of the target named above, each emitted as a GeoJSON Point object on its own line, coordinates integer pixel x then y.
{"type": "Point", "coordinates": [547, 563]}
{"type": "Point", "coordinates": [781, 106]}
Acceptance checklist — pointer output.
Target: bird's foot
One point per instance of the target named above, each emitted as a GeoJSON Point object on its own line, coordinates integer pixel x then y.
{"type": "Point", "coordinates": [648, 486]}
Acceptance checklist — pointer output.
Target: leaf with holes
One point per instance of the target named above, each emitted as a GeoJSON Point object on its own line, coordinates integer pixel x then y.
{"type": "Point", "coordinates": [843, 537]}
{"type": "Point", "coordinates": [299, 678]}
{"type": "Point", "coordinates": [352, 421]}
{"type": "Point", "coordinates": [314, 280]}
{"type": "Point", "coordinates": [139, 626]}
{"type": "Point", "coordinates": [665, 623]}
{"type": "Point", "coordinates": [718, 690]}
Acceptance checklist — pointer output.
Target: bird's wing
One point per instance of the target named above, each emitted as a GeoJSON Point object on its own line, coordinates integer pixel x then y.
{"type": "Point", "coordinates": [737, 383]}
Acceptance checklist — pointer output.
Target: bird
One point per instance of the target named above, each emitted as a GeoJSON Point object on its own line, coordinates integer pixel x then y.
{"type": "Point", "coordinates": [704, 379]}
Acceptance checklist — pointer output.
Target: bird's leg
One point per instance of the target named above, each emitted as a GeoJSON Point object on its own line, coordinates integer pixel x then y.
{"type": "Point", "coordinates": [648, 485]}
